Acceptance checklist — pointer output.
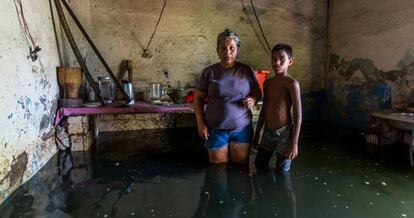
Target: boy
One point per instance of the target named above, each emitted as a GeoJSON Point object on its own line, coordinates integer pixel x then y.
{"type": "Point", "coordinates": [281, 132]}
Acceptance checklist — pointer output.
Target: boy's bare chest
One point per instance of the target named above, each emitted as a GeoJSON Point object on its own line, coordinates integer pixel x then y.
{"type": "Point", "coordinates": [277, 91]}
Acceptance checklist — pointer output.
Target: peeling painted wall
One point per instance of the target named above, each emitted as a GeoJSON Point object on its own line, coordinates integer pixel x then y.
{"type": "Point", "coordinates": [185, 40]}
{"type": "Point", "coordinates": [371, 59]}
{"type": "Point", "coordinates": [28, 92]}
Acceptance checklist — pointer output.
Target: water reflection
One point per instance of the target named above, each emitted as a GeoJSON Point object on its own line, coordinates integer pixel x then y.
{"type": "Point", "coordinates": [274, 195]}
{"type": "Point", "coordinates": [58, 195]}
{"type": "Point", "coordinates": [81, 194]}
{"type": "Point", "coordinates": [235, 192]}
{"type": "Point", "coordinates": [327, 181]}
{"type": "Point", "coordinates": [226, 192]}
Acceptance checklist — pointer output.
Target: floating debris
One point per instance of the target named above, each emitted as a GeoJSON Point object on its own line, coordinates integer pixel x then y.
{"type": "Point", "coordinates": [378, 193]}
{"type": "Point", "coordinates": [404, 215]}
{"type": "Point", "coordinates": [366, 183]}
{"type": "Point", "coordinates": [370, 203]}
{"type": "Point", "coordinates": [327, 190]}
{"type": "Point", "coordinates": [116, 164]}
{"type": "Point", "coordinates": [325, 183]}
{"type": "Point", "coordinates": [351, 185]}
{"type": "Point", "coordinates": [383, 183]}
{"type": "Point", "coordinates": [316, 178]}
{"type": "Point", "coordinates": [108, 189]}
{"type": "Point", "coordinates": [221, 202]}
{"type": "Point", "coordinates": [244, 212]}
{"type": "Point", "coordinates": [338, 195]}
{"type": "Point", "coordinates": [105, 215]}
{"type": "Point", "coordinates": [206, 193]}
{"type": "Point", "coordinates": [346, 206]}
{"type": "Point", "coordinates": [402, 202]}
{"type": "Point", "coordinates": [132, 214]}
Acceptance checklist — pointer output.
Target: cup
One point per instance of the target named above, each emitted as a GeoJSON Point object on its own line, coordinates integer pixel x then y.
{"type": "Point", "coordinates": [155, 91]}
{"type": "Point", "coordinates": [129, 89]}
{"type": "Point", "coordinates": [106, 89]}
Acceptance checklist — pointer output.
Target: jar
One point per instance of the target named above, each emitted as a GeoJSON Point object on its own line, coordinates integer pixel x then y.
{"type": "Point", "coordinates": [155, 91]}
{"type": "Point", "coordinates": [106, 89]}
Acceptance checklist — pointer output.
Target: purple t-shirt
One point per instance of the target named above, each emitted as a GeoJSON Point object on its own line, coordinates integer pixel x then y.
{"type": "Point", "coordinates": [226, 88]}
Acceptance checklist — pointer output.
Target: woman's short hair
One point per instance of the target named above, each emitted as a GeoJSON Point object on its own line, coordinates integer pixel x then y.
{"type": "Point", "coordinates": [228, 34]}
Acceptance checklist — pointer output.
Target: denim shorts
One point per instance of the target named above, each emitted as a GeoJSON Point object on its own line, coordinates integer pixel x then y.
{"type": "Point", "coordinates": [221, 138]}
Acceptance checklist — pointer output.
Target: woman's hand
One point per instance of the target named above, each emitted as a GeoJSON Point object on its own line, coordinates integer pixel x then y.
{"type": "Point", "coordinates": [203, 131]}
{"type": "Point", "coordinates": [249, 102]}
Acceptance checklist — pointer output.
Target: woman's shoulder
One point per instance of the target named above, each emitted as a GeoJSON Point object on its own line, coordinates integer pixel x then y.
{"type": "Point", "coordinates": [244, 65]}
{"type": "Point", "coordinates": [211, 69]}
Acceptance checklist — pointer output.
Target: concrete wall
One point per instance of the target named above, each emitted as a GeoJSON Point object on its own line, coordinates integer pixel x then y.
{"type": "Point", "coordinates": [185, 40]}
{"type": "Point", "coordinates": [370, 60]}
{"type": "Point", "coordinates": [28, 93]}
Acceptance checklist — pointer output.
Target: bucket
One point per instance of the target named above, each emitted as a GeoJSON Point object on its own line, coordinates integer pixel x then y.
{"type": "Point", "coordinates": [261, 77]}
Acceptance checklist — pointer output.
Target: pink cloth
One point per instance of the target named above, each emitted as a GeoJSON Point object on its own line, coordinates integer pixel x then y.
{"type": "Point", "coordinates": [138, 107]}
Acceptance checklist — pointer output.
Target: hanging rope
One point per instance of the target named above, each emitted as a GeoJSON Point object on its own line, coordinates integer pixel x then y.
{"type": "Point", "coordinates": [33, 48]}
{"type": "Point", "coordinates": [146, 54]}
{"type": "Point", "coordinates": [55, 32]}
{"type": "Point", "coordinates": [260, 26]}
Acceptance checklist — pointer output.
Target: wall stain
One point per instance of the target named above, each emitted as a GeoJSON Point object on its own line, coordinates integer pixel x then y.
{"type": "Point", "coordinates": [18, 167]}
{"type": "Point", "coordinates": [351, 102]}
{"type": "Point", "coordinates": [48, 135]}
{"type": "Point", "coordinates": [407, 61]}
{"type": "Point", "coordinates": [249, 10]}
{"type": "Point", "coordinates": [45, 121]}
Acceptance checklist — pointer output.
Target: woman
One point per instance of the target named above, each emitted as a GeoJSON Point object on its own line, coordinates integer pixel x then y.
{"type": "Point", "coordinates": [232, 90]}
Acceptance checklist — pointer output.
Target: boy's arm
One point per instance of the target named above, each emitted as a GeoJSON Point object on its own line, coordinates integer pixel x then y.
{"type": "Point", "coordinates": [297, 118]}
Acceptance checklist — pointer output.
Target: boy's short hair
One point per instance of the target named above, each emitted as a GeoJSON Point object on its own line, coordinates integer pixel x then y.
{"type": "Point", "coordinates": [282, 46]}
{"type": "Point", "coordinates": [228, 34]}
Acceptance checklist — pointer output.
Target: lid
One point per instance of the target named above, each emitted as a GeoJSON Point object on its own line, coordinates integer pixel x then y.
{"type": "Point", "coordinates": [104, 78]}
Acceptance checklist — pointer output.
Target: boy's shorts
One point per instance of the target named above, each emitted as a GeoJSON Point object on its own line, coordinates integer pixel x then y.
{"type": "Point", "coordinates": [221, 138]}
{"type": "Point", "coordinates": [272, 141]}
{"type": "Point", "coordinates": [277, 140]}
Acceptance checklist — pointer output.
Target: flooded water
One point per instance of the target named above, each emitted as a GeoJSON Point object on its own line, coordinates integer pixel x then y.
{"type": "Point", "coordinates": [160, 173]}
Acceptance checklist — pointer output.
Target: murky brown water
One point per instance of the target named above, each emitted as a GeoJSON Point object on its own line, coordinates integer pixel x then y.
{"type": "Point", "coordinates": [165, 174]}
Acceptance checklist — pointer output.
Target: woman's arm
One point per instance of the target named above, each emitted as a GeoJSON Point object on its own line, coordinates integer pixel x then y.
{"type": "Point", "coordinates": [199, 112]}
{"type": "Point", "coordinates": [260, 121]}
{"type": "Point", "coordinates": [255, 94]}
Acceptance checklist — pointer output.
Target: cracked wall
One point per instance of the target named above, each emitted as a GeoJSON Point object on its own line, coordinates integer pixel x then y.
{"type": "Point", "coordinates": [371, 57]}
{"type": "Point", "coordinates": [28, 93]}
